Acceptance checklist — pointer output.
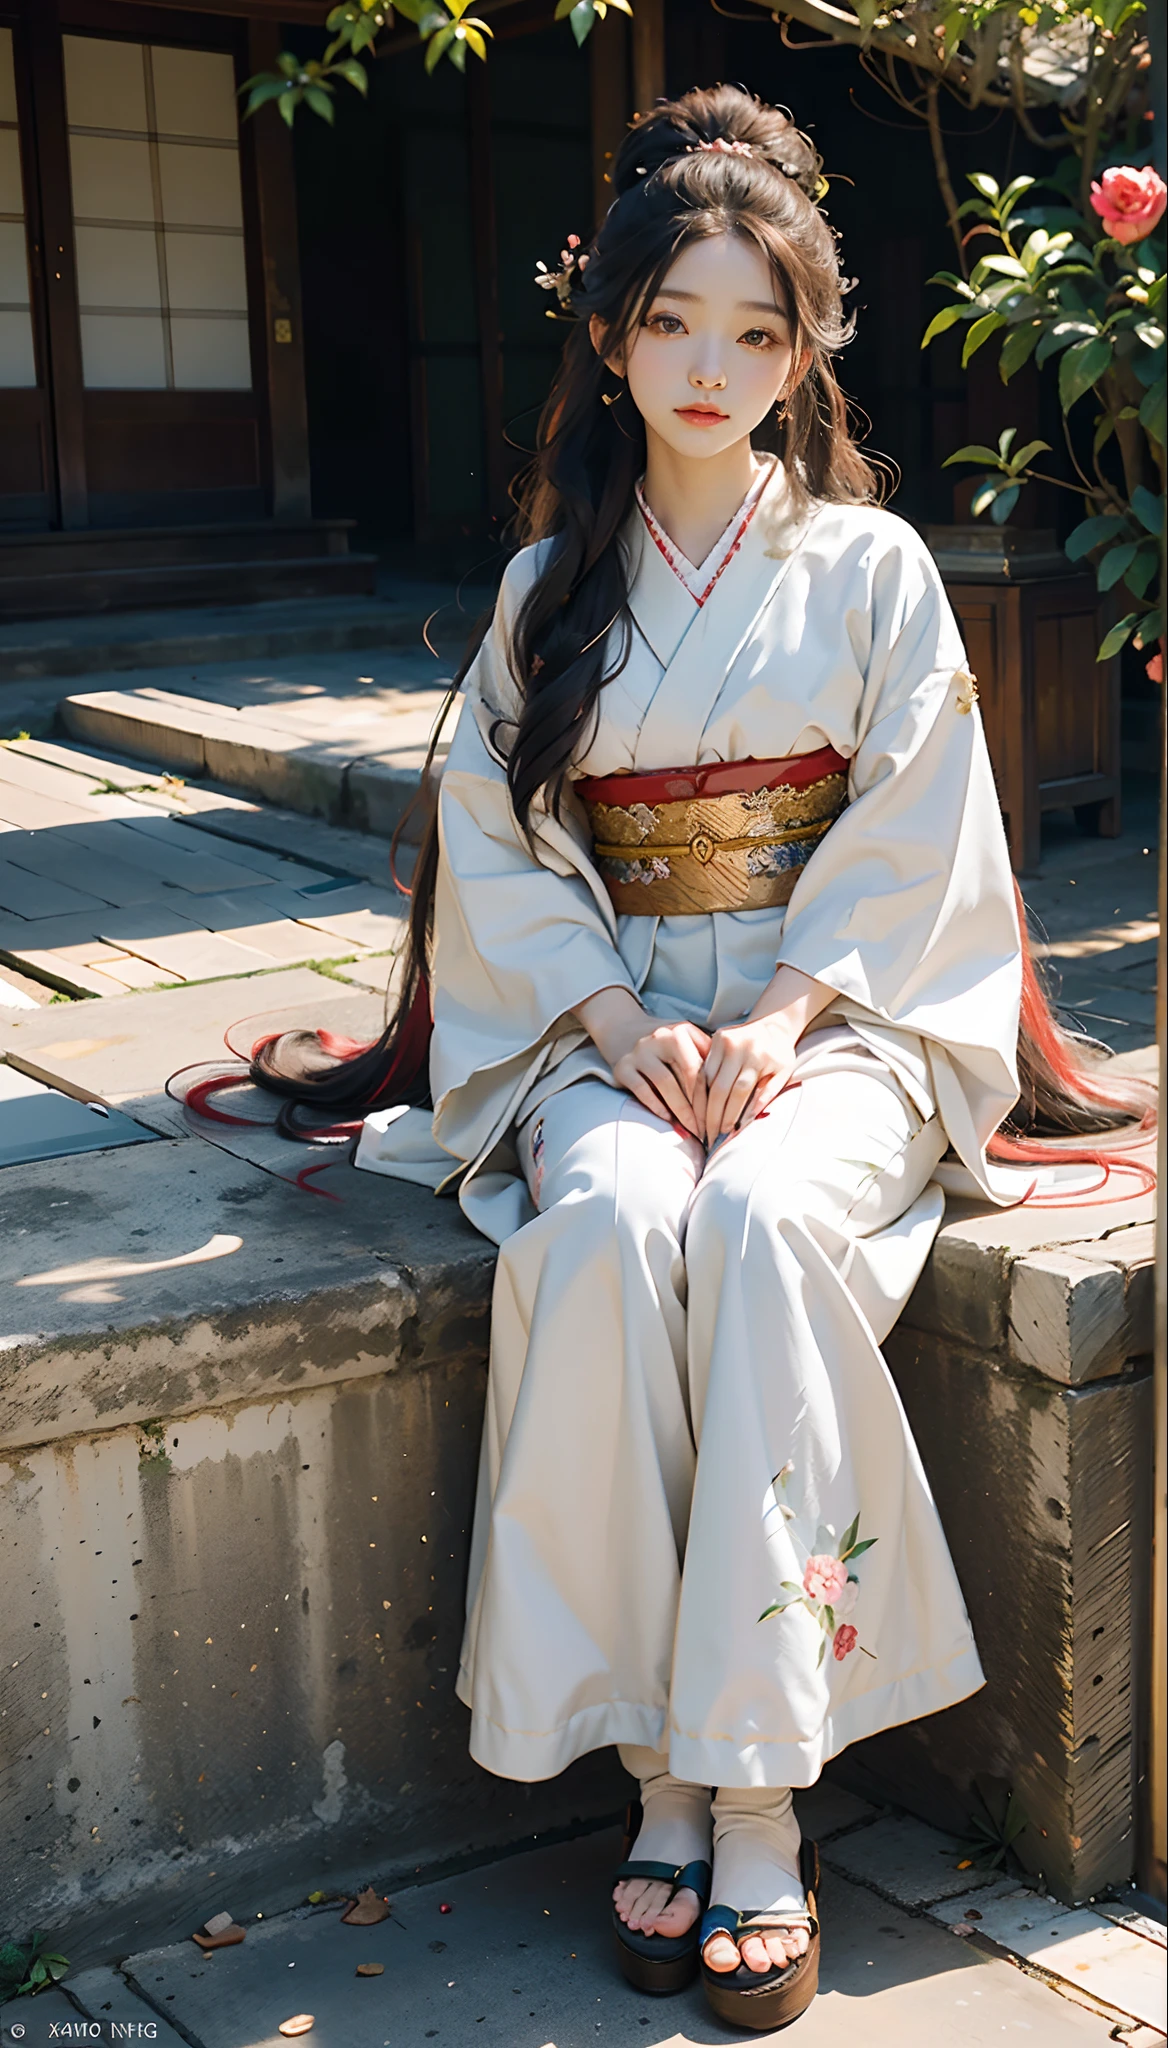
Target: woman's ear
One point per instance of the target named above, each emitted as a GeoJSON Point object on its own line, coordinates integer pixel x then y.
{"type": "Point", "coordinates": [598, 336]}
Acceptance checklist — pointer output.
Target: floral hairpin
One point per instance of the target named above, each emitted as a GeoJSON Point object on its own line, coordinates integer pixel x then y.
{"type": "Point", "coordinates": [573, 261]}
{"type": "Point", "coordinates": [724, 148]}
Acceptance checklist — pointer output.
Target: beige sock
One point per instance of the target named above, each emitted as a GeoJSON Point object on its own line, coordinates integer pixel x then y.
{"type": "Point", "coordinates": [676, 1826]}
{"type": "Point", "coordinates": [756, 1851]}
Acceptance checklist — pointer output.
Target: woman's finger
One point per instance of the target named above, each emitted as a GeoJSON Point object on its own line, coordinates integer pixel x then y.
{"type": "Point", "coordinates": [738, 1095]}
{"type": "Point", "coordinates": [664, 1081]}
{"type": "Point", "coordinates": [680, 1053]}
{"type": "Point", "coordinates": [720, 1085]}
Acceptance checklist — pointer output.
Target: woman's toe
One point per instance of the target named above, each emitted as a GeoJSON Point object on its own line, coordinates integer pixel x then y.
{"type": "Point", "coordinates": [679, 1915]}
{"type": "Point", "coordinates": [754, 1953]}
{"type": "Point", "coordinates": [722, 1953]}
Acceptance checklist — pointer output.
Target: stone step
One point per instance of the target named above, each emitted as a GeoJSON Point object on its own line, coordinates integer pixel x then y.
{"type": "Point", "coordinates": [222, 631]}
{"type": "Point", "coordinates": [352, 758]}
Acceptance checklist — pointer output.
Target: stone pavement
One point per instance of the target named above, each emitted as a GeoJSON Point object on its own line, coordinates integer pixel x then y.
{"type": "Point", "coordinates": [517, 1954]}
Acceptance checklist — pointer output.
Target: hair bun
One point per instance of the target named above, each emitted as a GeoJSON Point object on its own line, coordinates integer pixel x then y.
{"type": "Point", "coordinates": [725, 120]}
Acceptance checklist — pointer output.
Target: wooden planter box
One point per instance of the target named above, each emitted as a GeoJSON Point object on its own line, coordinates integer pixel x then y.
{"type": "Point", "coordinates": [1052, 711]}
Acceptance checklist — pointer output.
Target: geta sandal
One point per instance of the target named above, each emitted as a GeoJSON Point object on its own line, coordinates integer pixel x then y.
{"type": "Point", "coordinates": [764, 2000]}
{"type": "Point", "coordinates": [659, 1963]}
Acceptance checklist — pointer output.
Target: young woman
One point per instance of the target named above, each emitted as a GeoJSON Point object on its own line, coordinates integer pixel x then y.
{"type": "Point", "coordinates": [724, 955]}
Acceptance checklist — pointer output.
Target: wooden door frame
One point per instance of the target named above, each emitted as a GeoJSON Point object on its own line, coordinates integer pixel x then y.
{"type": "Point", "coordinates": [270, 235]}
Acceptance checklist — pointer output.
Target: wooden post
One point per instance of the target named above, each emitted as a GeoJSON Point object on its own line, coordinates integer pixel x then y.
{"type": "Point", "coordinates": [66, 379]}
{"type": "Point", "coordinates": [486, 285]}
{"type": "Point", "coordinates": [608, 47]}
{"type": "Point", "coordinates": [648, 54]}
{"type": "Point", "coordinates": [282, 352]}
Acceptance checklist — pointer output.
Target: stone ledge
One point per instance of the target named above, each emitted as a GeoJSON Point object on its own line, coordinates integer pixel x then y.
{"type": "Point", "coordinates": [1064, 1293]}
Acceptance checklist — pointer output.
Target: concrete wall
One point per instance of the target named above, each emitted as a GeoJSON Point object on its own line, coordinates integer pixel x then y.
{"type": "Point", "coordinates": [234, 1496]}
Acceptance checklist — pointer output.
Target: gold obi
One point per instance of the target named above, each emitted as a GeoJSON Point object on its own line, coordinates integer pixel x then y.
{"type": "Point", "coordinates": [688, 839]}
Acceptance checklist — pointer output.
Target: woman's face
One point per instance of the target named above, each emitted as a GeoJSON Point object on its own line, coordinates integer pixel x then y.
{"type": "Point", "coordinates": [712, 352]}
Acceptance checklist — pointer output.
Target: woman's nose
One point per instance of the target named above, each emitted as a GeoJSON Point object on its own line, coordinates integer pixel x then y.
{"type": "Point", "coordinates": [708, 378]}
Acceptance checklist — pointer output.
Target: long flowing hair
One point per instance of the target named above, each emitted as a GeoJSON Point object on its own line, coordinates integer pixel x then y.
{"type": "Point", "coordinates": [711, 163]}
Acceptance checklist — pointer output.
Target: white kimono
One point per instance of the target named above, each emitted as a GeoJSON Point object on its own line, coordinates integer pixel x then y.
{"type": "Point", "coordinates": [688, 1408]}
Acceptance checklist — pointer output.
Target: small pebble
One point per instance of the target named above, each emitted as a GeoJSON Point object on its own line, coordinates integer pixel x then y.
{"type": "Point", "coordinates": [370, 1969]}
{"type": "Point", "coordinates": [445, 1907]}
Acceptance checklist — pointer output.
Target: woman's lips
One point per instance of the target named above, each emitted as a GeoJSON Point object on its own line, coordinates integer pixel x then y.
{"type": "Point", "coordinates": [701, 415]}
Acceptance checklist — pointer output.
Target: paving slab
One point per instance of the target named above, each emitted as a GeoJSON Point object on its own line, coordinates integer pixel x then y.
{"type": "Point", "coordinates": [523, 1960]}
{"type": "Point", "coordinates": [105, 1998]}
{"type": "Point", "coordinates": [123, 1052]}
{"type": "Point", "coordinates": [40, 1123]}
{"type": "Point", "coordinates": [906, 1861]}
{"type": "Point", "coordinates": [1115, 1964]}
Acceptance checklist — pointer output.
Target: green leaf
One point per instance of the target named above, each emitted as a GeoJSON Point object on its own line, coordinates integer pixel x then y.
{"type": "Point", "coordinates": [1114, 564]}
{"type": "Point", "coordinates": [940, 322]}
{"type": "Point", "coordinates": [849, 1538]}
{"type": "Point", "coordinates": [474, 41]}
{"type": "Point", "coordinates": [776, 1607]}
{"type": "Point", "coordinates": [354, 72]}
{"type": "Point", "coordinates": [288, 64]}
{"type": "Point", "coordinates": [267, 89]}
{"type": "Point", "coordinates": [1118, 636]}
{"type": "Point", "coordinates": [438, 44]}
{"type": "Point", "coordinates": [975, 452]}
{"type": "Point", "coordinates": [1151, 629]}
{"type": "Point", "coordinates": [1024, 456]}
{"type": "Point", "coordinates": [317, 97]}
{"type": "Point", "coordinates": [1143, 569]}
{"type": "Point", "coordinates": [858, 1549]}
{"type": "Point", "coordinates": [1149, 510]}
{"type": "Point", "coordinates": [979, 332]}
{"type": "Point", "coordinates": [582, 20]}
{"type": "Point", "coordinates": [983, 183]}
{"type": "Point", "coordinates": [1098, 531]}
{"type": "Point", "coordinates": [1018, 348]}
{"type": "Point", "coordinates": [984, 496]}
{"type": "Point", "coordinates": [1081, 368]}
{"type": "Point", "coordinates": [822, 1653]}
{"type": "Point", "coordinates": [288, 104]}
{"type": "Point", "coordinates": [1004, 266]}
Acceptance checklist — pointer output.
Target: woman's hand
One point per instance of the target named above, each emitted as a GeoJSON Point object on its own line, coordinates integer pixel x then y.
{"type": "Point", "coordinates": [659, 1064]}
{"type": "Point", "coordinates": [748, 1064]}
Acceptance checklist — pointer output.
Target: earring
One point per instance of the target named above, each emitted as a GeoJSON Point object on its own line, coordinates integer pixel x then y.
{"type": "Point", "coordinates": [611, 397]}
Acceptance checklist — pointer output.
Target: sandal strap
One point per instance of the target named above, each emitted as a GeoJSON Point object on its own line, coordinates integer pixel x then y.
{"type": "Point", "coordinates": [728, 1920]}
{"type": "Point", "coordinates": [695, 1876]}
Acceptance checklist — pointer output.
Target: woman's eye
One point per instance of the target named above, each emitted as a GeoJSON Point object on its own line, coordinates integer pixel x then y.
{"type": "Point", "coordinates": [758, 337]}
{"type": "Point", "coordinates": [665, 323]}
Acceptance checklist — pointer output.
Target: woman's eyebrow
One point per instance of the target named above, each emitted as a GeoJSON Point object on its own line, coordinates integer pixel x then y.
{"type": "Point", "coordinates": [741, 305]}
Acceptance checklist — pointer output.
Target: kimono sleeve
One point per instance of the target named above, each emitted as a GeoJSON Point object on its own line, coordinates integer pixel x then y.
{"type": "Point", "coordinates": [523, 931]}
{"type": "Point", "coordinates": [907, 907]}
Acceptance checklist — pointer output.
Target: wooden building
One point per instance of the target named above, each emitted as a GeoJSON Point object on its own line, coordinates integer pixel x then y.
{"type": "Point", "coordinates": [222, 344]}
{"type": "Point", "coordinates": [153, 429]}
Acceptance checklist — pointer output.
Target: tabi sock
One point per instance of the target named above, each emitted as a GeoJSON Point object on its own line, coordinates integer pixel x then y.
{"type": "Point", "coordinates": [676, 1824]}
{"type": "Point", "coordinates": [756, 1851]}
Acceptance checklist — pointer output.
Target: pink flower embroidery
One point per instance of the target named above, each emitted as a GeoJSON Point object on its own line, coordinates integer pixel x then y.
{"type": "Point", "coordinates": [1129, 203]}
{"type": "Point", "coordinates": [824, 1577]}
{"type": "Point", "coordinates": [843, 1642]}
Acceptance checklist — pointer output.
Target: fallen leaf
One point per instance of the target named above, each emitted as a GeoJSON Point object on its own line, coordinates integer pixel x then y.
{"type": "Point", "coordinates": [317, 1898]}
{"type": "Point", "coordinates": [370, 1969]}
{"type": "Point", "coordinates": [366, 1909]}
{"type": "Point", "coordinates": [967, 1865]}
{"type": "Point", "coordinates": [300, 2023]}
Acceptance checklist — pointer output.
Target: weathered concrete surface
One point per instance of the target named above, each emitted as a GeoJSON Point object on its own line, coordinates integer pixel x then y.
{"type": "Point", "coordinates": [523, 1960]}
{"type": "Point", "coordinates": [1025, 1374]}
{"type": "Point", "coordinates": [234, 1495]}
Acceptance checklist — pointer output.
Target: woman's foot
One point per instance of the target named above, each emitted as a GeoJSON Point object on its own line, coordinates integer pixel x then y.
{"type": "Point", "coordinates": [676, 1829]}
{"type": "Point", "coordinates": [756, 1869]}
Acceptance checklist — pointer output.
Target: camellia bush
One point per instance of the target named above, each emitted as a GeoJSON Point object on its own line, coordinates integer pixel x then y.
{"type": "Point", "coordinates": [1089, 292]}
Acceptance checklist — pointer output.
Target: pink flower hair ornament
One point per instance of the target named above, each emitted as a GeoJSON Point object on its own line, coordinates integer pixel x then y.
{"type": "Point", "coordinates": [725, 148]}
{"type": "Point", "coordinates": [1130, 203]}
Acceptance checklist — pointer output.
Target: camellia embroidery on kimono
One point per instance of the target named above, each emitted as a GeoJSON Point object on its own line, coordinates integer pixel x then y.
{"type": "Point", "coordinates": [715, 975]}
{"type": "Point", "coordinates": [829, 1588]}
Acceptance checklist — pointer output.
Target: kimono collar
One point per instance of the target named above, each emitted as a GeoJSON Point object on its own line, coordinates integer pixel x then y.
{"type": "Point", "coordinates": [700, 581]}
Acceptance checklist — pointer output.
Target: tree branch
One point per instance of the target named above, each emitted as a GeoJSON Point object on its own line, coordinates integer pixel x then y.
{"type": "Point", "coordinates": [941, 166]}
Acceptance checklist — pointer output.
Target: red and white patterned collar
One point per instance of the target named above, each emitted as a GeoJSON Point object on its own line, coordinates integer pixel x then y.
{"type": "Point", "coordinates": [700, 581]}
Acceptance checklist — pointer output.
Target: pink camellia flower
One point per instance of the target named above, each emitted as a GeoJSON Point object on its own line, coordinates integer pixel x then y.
{"type": "Point", "coordinates": [1129, 203]}
{"type": "Point", "coordinates": [824, 1577]}
{"type": "Point", "coordinates": [843, 1642]}
{"type": "Point", "coordinates": [1155, 668]}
